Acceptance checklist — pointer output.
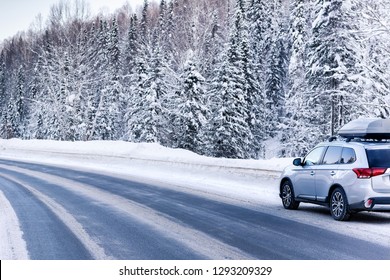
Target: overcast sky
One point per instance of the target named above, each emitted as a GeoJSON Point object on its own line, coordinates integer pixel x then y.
{"type": "Point", "coordinates": [17, 15]}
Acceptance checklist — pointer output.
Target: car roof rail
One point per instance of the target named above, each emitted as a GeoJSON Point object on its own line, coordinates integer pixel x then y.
{"type": "Point", "coordinates": [362, 139]}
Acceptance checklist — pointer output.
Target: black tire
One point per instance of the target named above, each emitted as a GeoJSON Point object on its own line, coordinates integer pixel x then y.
{"type": "Point", "coordinates": [339, 205]}
{"type": "Point", "coordinates": [287, 195]}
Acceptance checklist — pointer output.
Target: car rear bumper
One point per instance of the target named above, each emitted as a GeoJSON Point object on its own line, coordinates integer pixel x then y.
{"type": "Point", "coordinates": [376, 201]}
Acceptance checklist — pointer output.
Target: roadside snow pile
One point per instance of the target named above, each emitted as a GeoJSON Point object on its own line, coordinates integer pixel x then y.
{"type": "Point", "coordinates": [111, 152]}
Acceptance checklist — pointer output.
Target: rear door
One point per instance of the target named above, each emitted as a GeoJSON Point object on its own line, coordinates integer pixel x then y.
{"type": "Point", "coordinates": [327, 171]}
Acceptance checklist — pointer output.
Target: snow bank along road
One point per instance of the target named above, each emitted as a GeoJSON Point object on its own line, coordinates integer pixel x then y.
{"type": "Point", "coordinates": [91, 208]}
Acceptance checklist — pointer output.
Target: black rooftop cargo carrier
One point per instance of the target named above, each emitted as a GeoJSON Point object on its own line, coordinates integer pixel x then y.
{"type": "Point", "coordinates": [376, 129]}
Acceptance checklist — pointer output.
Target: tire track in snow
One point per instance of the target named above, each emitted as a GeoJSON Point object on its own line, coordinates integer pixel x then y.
{"type": "Point", "coordinates": [74, 226]}
{"type": "Point", "coordinates": [194, 239]}
{"type": "Point", "coordinates": [12, 244]}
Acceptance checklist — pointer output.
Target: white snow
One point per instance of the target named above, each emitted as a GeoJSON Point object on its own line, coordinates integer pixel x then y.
{"type": "Point", "coordinates": [110, 152]}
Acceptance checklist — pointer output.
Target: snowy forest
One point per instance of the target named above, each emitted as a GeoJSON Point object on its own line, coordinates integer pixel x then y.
{"type": "Point", "coordinates": [218, 77]}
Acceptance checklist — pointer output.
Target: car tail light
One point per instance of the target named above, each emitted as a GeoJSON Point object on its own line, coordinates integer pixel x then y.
{"type": "Point", "coordinates": [366, 173]}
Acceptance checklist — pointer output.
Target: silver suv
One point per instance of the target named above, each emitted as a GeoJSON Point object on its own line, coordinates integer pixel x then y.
{"type": "Point", "coordinates": [348, 175]}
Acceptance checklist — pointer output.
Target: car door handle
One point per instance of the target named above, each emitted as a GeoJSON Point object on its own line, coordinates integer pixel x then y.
{"type": "Point", "coordinates": [332, 173]}
{"type": "Point", "coordinates": [312, 173]}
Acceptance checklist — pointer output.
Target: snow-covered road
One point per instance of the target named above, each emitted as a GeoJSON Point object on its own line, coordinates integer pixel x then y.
{"type": "Point", "coordinates": [126, 201]}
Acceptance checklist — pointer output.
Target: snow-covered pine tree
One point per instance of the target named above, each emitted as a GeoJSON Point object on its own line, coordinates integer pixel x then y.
{"type": "Point", "coordinates": [144, 28]}
{"type": "Point", "coordinates": [375, 35]}
{"type": "Point", "coordinates": [2, 85]}
{"type": "Point", "coordinates": [93, 75]}
{"type": "Point", "coordinates": [50, 101]}
{"type": "Point", "coordinates": [2, 79]}
{"type": "Point", "coordinates": [163, 78]}
{"type": "Point", "coordinates": [144, 109]}
{"type": "Point", "coordinates": [295, 135]}
{"type": "Point", "coordinates": [116, 92]}
{"type": "Point", "coordinates": [276, 69]}
{"type": "Point", "coordinates": [334, 67]}
{"type": "Point", "coordinates": [254, 91]}
{"type": "Point", "coordinates": [232, 134]}
{"type": "Point", "coordinates": [212, 46]}
{"type": "Point", "coordinates": [15, 114]}
{"type": "Point", "coordinates": [36, 126]}
{"type": "Point", "coordinates": [132, 46]}
{"type": "Point", "coordinates": [169, 30]}
{"type": "Point", "coordinates": [67, 110]}
{"type": "Point", "coordinates": [143, 116]}
{"type": "Point", "coordinates": [20, 112]}
{"type": "Point", "coordinates": [162, 21]}
{"type": "Point", "coordinates": [103, 121]}
{"type": "Point", "coordinates": [191, 112]}
{"type": "Point", "coordinates": [259, 28]}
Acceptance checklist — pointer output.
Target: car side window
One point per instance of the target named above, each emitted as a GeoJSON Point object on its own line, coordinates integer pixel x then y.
{"type": "Point", "coordinates": [348, 155]}
{"type": "Point", "coordinates": [314, 157]}
{"type": "Point", "coordinates": [332, 155]}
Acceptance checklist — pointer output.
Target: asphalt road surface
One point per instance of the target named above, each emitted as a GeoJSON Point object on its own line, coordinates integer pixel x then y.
{"type": "Point", "coordinates": [71, 214]}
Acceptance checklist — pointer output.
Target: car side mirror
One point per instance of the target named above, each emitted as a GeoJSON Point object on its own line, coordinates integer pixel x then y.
{"type": "Point", "coordinates": [297, 162]}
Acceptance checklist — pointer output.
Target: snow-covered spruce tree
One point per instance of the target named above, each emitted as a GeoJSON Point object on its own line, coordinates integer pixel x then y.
{"type": "Point", "coordinates": [15, 114]}
{"type": "Point", "coordinates": [143, 114]}
{"type": "Point", "coordinates": [169, 29]}
{"type": "Point", "coordinates": [2, 76]}
{"type": "Point", "coordinates": [254, 91]}
{"type": "Point", "coordinates": [260, 23]}
{"type": "Point", "coordinates": [232, 134]}
{"type": "Point", "coordinates": [83, 79]}
{"type": "Point", "coordinates": [144, 28]}
{"type": "Point", "coordinates": [68, 112]}
{"type": "Point", "coordinates": [296, 138]}
{"type": "Point", "coordinates": [267, 55]}
{"type": "Point", "coordinates": [191, 110]}
{"type": "Point", "coordinates": [2, 83]}
{"type": "Point", "coordinates": [21, 104]}
{"type": "Point", "coordinates": [92, 73]}
{"type": "Point", "coordinates": [214, 43]}
{"type": "Point", "coordinates": [144, 109]}
{"type": "Point", "coordinates": [35, 89]}
{"type": "Point", "coordinates": [50, 101]}
{"type": "Point", "coordinates": [132, 45]}
{"type": "Point", "coordinates": [117, 98]}
{"type": "Point", "coordinates": [36, 126]}
{"type": "Point", "coordinates": [165, 82]}
{"type": "Point", "coordinates": [163, 22]}
{"type": "Point", "coordinates": [375, 35]}
{"type": "Point", "coordinates": [334, 67]}
{"type": "Point", "coordinates": [276, 49]}
{"type": "Point", "coordinates": [104, 126]}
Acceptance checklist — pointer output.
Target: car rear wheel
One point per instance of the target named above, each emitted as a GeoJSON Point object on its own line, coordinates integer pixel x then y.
{"type": "Point", "coordinates": [339, 205]}
{"type": "Point", "coordinates": [288, 198]}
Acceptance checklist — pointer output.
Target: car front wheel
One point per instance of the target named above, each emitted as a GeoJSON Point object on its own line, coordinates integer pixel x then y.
{"type": "Point", "coordinates": [288, 198]}
{"type": "Point", "coordinates": [339, 205]}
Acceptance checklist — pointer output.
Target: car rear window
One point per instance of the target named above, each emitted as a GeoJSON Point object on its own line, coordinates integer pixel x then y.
{"type": "Point", "coordinates": [348, 156]}
{"type": "Point", "coordinates": [332, 155]}
{"type": "Point", "coordinates": [378, 158]}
